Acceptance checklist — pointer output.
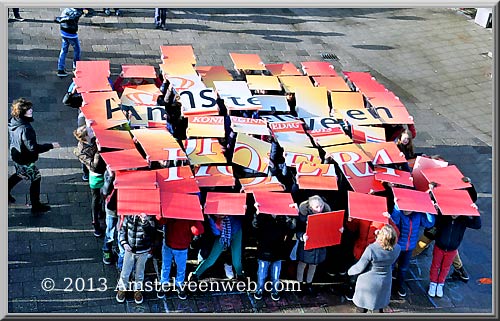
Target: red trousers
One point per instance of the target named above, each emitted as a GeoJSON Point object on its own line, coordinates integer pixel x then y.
{"type": "Point", "coordinates": [441, 263]}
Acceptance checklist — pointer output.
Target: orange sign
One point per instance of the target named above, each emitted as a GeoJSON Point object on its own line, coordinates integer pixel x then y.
{"type": "Point", "coordinates": [211, 176]}
{"type": "Point", "coordinates": [361, 178]}
{"type": "Point", "coordinates": [316, 176]}
{"type": "Point", "coordinates": [252, 153]}
{"type": "Point", "coordinates": [204, 151]}
{"type": "Point", "coordinates": [324, 229]}
{"type": "Point", "coordinates": [205, 126]}
{"type": "Point", "coordinates": [383, 153]}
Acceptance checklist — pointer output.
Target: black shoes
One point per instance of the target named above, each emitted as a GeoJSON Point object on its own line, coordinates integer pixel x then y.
{"type": "Point", "coordinates": [62, 73]}
{"type": "Point", "coordinates": [460, 274]}
{"type": "Point", "coordinates": [98, 232]}
{"type": "Point", "coordinates": [402, 292]}
{"type": "Point", "coordinates": [107, 257]}
{"type": "Point", "coordinates": [258, 295]}
{"type": "Point", "coordinates": [40, 208]}
{"type": "Point", "coordinates": [181, 294]}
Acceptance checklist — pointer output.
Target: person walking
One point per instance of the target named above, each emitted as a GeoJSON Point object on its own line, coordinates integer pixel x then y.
{"type": "Point", "coordinates": [68, 21]}
{"type": "Point", "coordinates": [160, 18]}
{"type": "Point", "coordinates": [374, 283]}
{"type": "Point", "coordinates": [24, 151]}
{"type": "Point", "coordinates": [17, 15]}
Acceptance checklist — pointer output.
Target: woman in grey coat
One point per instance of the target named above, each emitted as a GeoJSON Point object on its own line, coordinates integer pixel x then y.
{"type": "Point", "coordinates": [313, 205]}
{"type": "Point", "coordinates": [373, 287]}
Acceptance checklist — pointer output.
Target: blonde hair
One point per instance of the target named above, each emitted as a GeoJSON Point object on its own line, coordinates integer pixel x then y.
{"type": "Point", "coordinates": [20, 106]}
{"type": "Point", "coordinates": [387, 237]}
{"type": "Point", "coordinates": [81, 133]}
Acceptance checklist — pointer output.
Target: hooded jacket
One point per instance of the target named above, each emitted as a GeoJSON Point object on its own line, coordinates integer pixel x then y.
{"type": "Point", "coordinates": [450, 232]}
{"type": "Point", "coordinates": [271, 233]}
{"type": "Point", "coordinates": [24, 148]}
{"type": "Point", "coordinates": [68, 21]}
{"type": "Point", "coordinates": [136, 233]}
{"type": "Point", "coordinates": [409, 227]}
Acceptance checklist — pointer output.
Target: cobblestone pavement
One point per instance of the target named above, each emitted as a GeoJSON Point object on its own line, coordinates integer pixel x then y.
{"type": "Point", "coordinates": [435, 59]}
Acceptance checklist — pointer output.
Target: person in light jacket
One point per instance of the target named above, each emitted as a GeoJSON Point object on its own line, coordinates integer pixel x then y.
{"type": "Point", "coordinates": [374, 283]}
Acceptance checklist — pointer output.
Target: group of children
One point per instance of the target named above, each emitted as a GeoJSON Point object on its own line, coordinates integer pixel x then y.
{"type": "Point", "coordinates": [131, 240]}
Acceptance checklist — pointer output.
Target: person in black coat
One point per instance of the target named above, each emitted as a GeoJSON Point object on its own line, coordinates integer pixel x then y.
{"type": "Point", "coordinates": [271, 233]}
{"type": "Point", "coordinates": [24, 150]}
{"type": "Point", "coordinates": [450, 230]}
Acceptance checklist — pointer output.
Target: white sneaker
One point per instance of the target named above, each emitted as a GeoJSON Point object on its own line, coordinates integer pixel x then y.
{"type": "Point", "coordinates": [229, 271]}
{"type": "Point", "coordinates": [439, 290]}
{"type": "Point", "coordinates": [432, 289]}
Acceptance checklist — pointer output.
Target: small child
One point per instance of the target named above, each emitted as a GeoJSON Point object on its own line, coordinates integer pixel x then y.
{"type": "Point", "coordinates": [449, 234]}
{"type": "Point", "coordinates": [136, 237]}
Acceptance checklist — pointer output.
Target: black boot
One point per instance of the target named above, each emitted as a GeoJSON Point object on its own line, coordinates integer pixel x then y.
{"type": "Point", "coordinates": [13, 180]}
{"type": "Point", "coordinates": [36, 206]}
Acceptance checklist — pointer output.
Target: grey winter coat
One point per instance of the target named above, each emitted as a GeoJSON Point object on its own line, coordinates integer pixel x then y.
{"type": "Point", "coordinates": [373, 287]}
{"type": "Point", "coordinates": [24, 148]}
{"type": "Point", "coordinates": [314, 256]}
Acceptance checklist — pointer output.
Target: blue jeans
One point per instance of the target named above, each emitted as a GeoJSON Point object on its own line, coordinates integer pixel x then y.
{"type": "Point", "coordinates": [66, 42]}
{"type": "Point", "coordinates": [403, 266]}
{"type": "Point", "coordinates": [109, 236]}
{"type": "Point", "coordinates": [263, 271]}
{"type": "Point", "coordinates": [180, 257]}
{"type": "Point", "coordinates": [217, 250]}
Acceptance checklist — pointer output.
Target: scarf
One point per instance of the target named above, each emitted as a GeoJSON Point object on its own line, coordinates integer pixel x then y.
{"type": "Point", "coordinates": [225, 235]}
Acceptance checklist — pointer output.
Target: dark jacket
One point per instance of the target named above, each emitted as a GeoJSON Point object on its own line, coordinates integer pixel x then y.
{"type": "Point", "coordinates": [139, 235]}
{"type": "Point", "coordinates": [271, 233]}
{"type": "Point", "coordinates": [90, 156]}
{"type": "Point", "coordinates": [314, 256]}
{"type": "Point", "coordinates": [24, 149]}
{"type": "Point", "coordinates": [450, 232]}
{"type": "Point", "coordinates": [69, 20]}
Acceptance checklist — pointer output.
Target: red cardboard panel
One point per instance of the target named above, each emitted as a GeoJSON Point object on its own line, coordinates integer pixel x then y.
{"type": "Point", "coordinates": [171, 68]}
{"type": "Point", "coordinates": [180, 206]}
{"type": "Point", "coordinates": [92, 83]}
{"type": "Point", "coordinates": [204, 151]}
{"type": "Point", "coordinates": [318, 68]}
{"type": "Point", "coordinates": [269, 183]}
{"type": "Point", "coordinates": [99, 112]}
{"type": "Point", "coordinates": [117, 139]}
{"type": "Point", "coordinates": [383, 99]}
{"type": "Point", "coordinates": [421, 163]}
{"type": "Point", "coordinates": [411, 200]}
{"type": "Point", "coordinates": [247, 61]}
{"type": "Point", "coordinates": [286, 69]}
{"type": "Point", "coordinates": [367, 134]}
{"type": "Point", "coordinates": [275, 203]}
{"type": "Point", "coordinates": [369, 86]}
{"type": "Point", "coordinates": [394, 176]}
{"type": "Point", "coordinates": [159, 144]}
{"type": "Point", "coordinates": [205, 126]}
{"type": "Point", "coordinates": [209, 74]}
{"type": "Point", "coordinates": [367, 207]}
{"type": "Point", "coordinates": [138, 71]}
{"type": "Point", "coordinates": [361, 178]}
{"type": "Point", "coordinates": [291, 83]}
{"type": "Point", "coordinates": [454, 202]}
{"type": "Point", "coordinates": [86, 68]}
{"type": "Point", "coordinates": [357, 75]}
{"type": "Point", "coordinates": [252, 153]}
{"type": "Point", "coordinates": [330, 136]}
{"type": "Point", "coordinates": [249, 126]}
{"type": "Point", "coordinates": [225, 203]}
{"type": "Point", "coordinates": [178, 54]}
{"type": "Point", "coordinates": [383, 153]}
{"type": "Point", "coordinates": [331, 83]}
{"type": "Point", "coordinates": [210, 176]}
{"type": "Point", "coordinates": [137, 201]}
{"type": "Point", "coordinates": [124, 159]}
{"type": "Point", "coordinates": [348, 153]}
{"type": "Point", "coordinates": [99, 96]}
{"type": "Point", "coordinates": [312, 102]}
{"type": "Point", "coordinates": [316, 176]}
{"type": "Point", "coordinates": [135, 180]}
{"type": "Point", "coordinates": [177, 180]}
{"type": "Point", "coordinates": [448, 177]}
{"type": "Point", "coordinates": [259, 82]}
{"type": "Point", "coordinates": [323, 229]}
{"type": "Point", "coordinates": [394, 115]}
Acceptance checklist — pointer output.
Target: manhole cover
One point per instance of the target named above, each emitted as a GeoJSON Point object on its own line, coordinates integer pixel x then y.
{"type": "Point", "coordinates": [329, 56]}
